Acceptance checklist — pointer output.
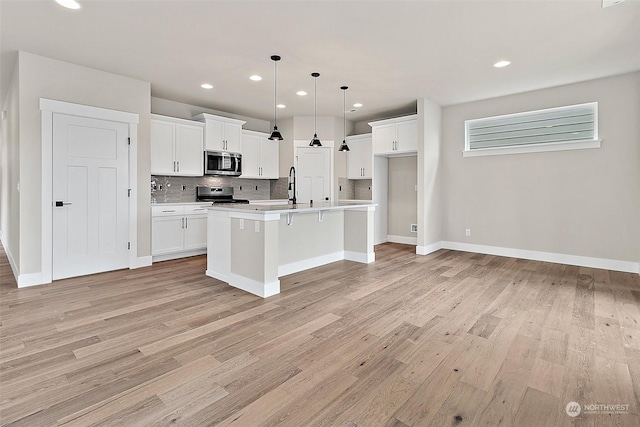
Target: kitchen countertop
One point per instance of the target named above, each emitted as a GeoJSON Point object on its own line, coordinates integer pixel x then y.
{"type": "Point", "coordinates": [289, 208]}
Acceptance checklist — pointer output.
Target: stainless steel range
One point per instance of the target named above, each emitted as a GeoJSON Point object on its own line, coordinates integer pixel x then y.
{"type": "Point", "coordinates": [217, 195]}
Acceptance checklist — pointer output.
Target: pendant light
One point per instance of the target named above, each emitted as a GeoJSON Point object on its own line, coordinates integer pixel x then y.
{"type": "Point", "coordinates": [275, 135]}
{"type": "Point", "coordinates": [344, 146]}
{"type": "Point", "coordinates": [315, 142]}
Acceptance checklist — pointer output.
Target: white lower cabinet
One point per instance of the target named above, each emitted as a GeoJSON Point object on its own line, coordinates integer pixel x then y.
{"type": "Point", "coordinates": [178, 230]}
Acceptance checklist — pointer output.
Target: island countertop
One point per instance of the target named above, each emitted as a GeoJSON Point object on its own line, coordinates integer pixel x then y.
{"type": "Point", "coordinates": [289, 208]}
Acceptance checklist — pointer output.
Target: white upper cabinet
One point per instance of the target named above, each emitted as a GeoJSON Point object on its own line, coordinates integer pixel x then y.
{"type": "Point", "coordinates": [260, 156]}
{"type": "Point", "coordinates": [177, 146]}
{"type": "Point", "coordinates": [221, 133]}
{"type": "Point", "coordinates": [360, 157]}
{"type": "Point", "coordinates": [395, 136]}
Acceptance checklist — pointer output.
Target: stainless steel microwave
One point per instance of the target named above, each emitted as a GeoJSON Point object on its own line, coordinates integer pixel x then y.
{"type": "Point", "coordinates": [222, 163]}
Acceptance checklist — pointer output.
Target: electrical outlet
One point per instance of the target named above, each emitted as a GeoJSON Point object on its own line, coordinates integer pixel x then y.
{"type": "Point", "coordinates": [414, 228]}
{"type": "Point", "coordinates": [184, 188]}
{"type": "Point", "coordinates": [467, 232]}
{"type": "Point", "coordinates": [241, 224]}
{"type": "Point", "coordinates": [256, 227]}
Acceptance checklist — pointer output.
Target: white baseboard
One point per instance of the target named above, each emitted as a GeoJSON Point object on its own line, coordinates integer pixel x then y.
{"type": "Point", "coordinates": [306, 264]}
{"type": "Point", "coordinates": [426, 250]}
{"type": "Point", "coordinates": [360, 257]}
{"type": "Point", "coordinates": [402, 239]}
{"type": "Point", "coordinates": [31, 279]}
{"type": "Point", "coordinates": [12, 263]}
{"type": "Point", "coordinates": [217, 275]}
{"type": "Point", "coordinates": [263, 290]}
{"type": "Point", "coordinates": [142, 261]}
{"type": "Point", "coordinates": [582, 261]}
{"type": "Point", "coordinates": [176, 255]}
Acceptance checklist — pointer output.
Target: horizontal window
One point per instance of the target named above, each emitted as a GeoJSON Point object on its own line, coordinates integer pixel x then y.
{"type": "Point", "coordinates": [562, 128]}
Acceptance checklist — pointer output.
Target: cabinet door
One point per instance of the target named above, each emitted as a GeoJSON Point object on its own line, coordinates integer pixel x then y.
{"type": "Point", "coordinates": [250, 157]}
{"type": "Point", "coordinates": [233, 137]}
{"type": "Point", "coordinates": [355, 158]}
{"type": "Point", "coordinates": [367, 158]}
{"type": "Point", "coordinates": [407, 136]}
{"type": "Point", "coordinates": [195, 232]}
{"type": "Point", "coordinates": [383, 139]}
{"type": "Point", "coordinates": [167, 235]}
{"type": "Point", "coordinates": [162, 148]}
{"type": "Point", "coordinates": [214, 135]}
{"type": "Point", "coordinates": [269, 159]}
{"type": "Point", "coordinates": [189, 150]}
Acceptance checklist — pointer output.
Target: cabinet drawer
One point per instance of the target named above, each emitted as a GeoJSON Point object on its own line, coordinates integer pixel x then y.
{"type": "Point", "coordinates": [195, 209]}
{"type": "Point", "coordinates": [167, 210]}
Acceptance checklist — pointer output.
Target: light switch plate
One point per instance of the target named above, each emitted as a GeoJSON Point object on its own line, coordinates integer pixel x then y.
{"type": "Point", "coordinates": [257, 226]}
{"type": "Point", "coordinates": [241, 224]}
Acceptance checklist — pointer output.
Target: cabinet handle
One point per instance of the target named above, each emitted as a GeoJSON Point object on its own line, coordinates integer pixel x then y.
{"type": "Point", "coordinates": [200, 209]}
{"type": "Point", "coordinates": [174, 165]}
{"type": "Point", "coordinates": [172, 210]}
{"type": "Point", "coordinates": [186, 223]}
{"type": "Point", "coordinates": [182, 223]}
{"type": "Point", "coordinates": [178, 163]}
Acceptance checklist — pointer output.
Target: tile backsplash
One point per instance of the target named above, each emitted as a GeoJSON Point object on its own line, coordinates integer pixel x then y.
{"type": "Point", "coordinates": [182, 189]}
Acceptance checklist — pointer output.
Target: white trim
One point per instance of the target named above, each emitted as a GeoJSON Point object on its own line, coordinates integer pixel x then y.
{"type": "Point", "coordinates": [12, 263]}
{"type": "Point", "coordinates": [260, 289]}
{"type": "Point", "coordinates": [426, 250]}
{"type": "Point", "coordinates": [143, 261]}
{"type": "Point", "coordinates": [48, 107]}
{"type": "Point", "coordinates": [257, 216]}
{"type": "Point", "coordinates": [294, 267]}
{"type": "Point", "coordinates": [603, 263]}
{"type": "Point", "coordinates": [217, 275]}
{"type": "Point", "coordinates": [534, 148]}
{"type": "Point", "coordinates": [72, 109]}
{"type": "Point", "coordinates": [31, 279]}
{"type": "Point", "coordinates": [365, 258]}
{"type": "Point", "coordinates": [177, 255]}
{"type": "Point", "coordinates": [402, 239]}
{"type": "Point", "coordinates": [177, 120]}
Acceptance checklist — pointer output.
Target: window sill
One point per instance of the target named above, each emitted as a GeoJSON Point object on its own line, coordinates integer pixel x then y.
{"type": "Point", "coordinates": [536, 148]}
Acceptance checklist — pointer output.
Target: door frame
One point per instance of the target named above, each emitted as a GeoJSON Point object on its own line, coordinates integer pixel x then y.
{"type": "Point", "coordinates": [47, 108]}
{"type": "Point", "coordinates": [325, 144]}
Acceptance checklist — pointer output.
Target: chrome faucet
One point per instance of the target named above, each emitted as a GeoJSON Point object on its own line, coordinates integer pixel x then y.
{"type": "Point", "coordinates": [293, 170]}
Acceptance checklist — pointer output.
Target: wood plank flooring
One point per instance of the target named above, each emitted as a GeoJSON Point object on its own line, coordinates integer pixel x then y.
{"type": "Point", "coordinates": [448, 339]}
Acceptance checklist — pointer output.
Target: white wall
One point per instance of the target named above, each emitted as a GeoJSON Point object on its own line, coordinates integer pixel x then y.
{"type": "Point", "coordinates": [170, 108]}
{"type": "Point", "coordinates": [41, 77]}
{"type": "Point", "coordinates": [403, 198]}
{"type": "Point", "coordinates": [10, 171]}
{"type": "Point", "coordinates": [582, 202]}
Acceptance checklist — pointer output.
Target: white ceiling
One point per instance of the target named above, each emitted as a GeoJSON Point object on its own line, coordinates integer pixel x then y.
{"type": "Point", "coordinates": [388, 52]}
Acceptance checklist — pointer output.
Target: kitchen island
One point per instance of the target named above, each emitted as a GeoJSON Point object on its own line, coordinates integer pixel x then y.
{"type": "Point", "coordinates": [251, 246]}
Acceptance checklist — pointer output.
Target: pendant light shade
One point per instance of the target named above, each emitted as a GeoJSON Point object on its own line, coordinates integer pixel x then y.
{"type": "Point", "coordinates": [275, 135]}
{"type": "Point", "coordinates": [315, 142]}
{"type": "Point", "coordinates": [344, 146]}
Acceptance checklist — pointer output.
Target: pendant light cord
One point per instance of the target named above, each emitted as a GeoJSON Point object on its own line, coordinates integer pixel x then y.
{"type": "Point", "coordinates": [275, 95]}
{"type": "Point", "coordinates": [315, 105]}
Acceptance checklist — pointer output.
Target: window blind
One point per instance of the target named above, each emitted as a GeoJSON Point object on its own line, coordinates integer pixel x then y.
{"type": "Point", "coordinates": [563, 124]}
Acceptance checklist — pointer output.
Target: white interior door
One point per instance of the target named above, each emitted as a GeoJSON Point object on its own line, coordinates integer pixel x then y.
{"type": "Point", "coordinates": [90, 196]}
{"type": "Point", "coordinates": [313, 174]}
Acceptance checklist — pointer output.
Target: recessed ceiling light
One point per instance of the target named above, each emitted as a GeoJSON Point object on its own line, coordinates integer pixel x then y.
{"type": "Point", "coordinates": [357, 105]}
{"type": "Point", "coordinates": [301, 93]}
{"type": "Point", "coordinates": [281, 106]}
{"type": "Point", "coordinates": [255, 78]}
{"type": "Point", "coordinates": [206, 86]}
{"type": "Point", "coordinates": [501, 64]}
{"type": "Point", "coordinates": [69, 4]}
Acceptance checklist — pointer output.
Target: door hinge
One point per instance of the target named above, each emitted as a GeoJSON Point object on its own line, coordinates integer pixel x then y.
{"type": "Point", "coordinates": [129, 141]}
{"type": "Point", "coordinates": [129, 192]}
{"type": "Point", "coordinates": [128, 245]}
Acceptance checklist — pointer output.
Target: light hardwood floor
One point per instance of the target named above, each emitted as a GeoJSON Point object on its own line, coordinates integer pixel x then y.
{"type": "Point", "coordinates": [451, 338]}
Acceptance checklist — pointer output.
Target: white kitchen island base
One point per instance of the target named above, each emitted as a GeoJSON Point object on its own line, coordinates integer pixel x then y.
{"type": "Point", "coordinates": [251, 246]}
